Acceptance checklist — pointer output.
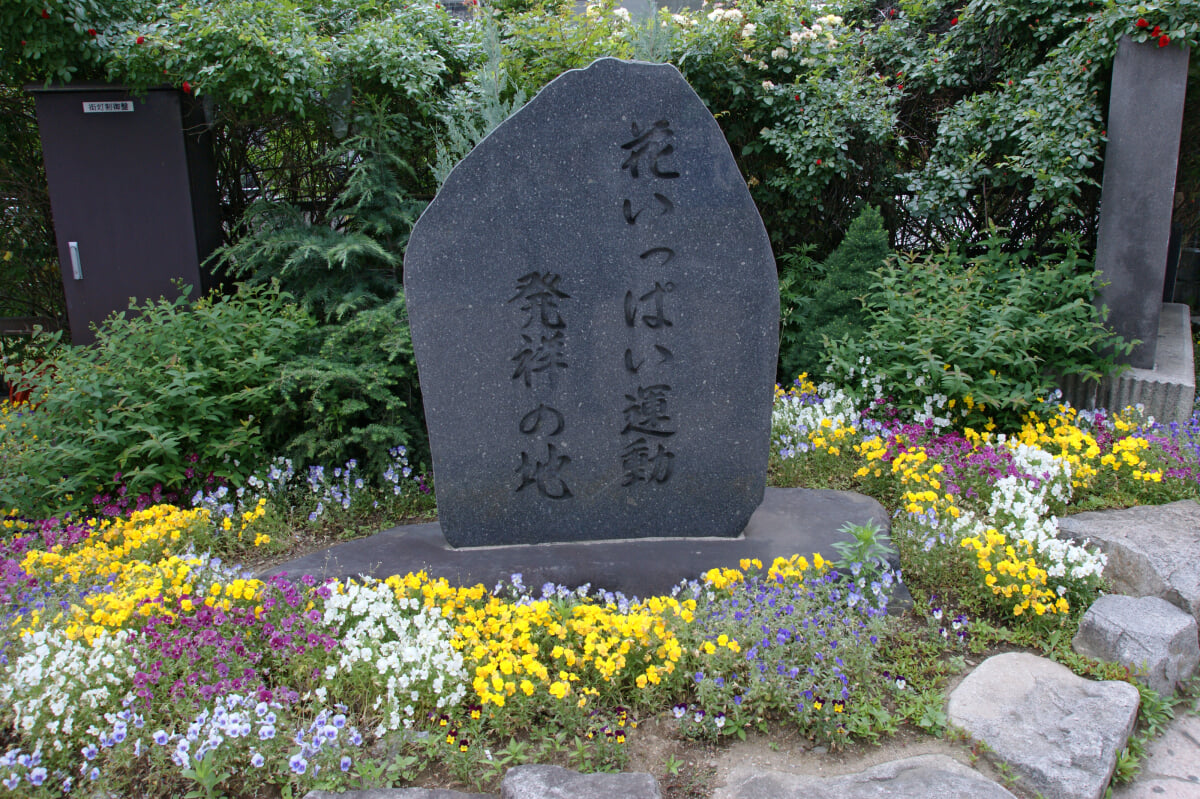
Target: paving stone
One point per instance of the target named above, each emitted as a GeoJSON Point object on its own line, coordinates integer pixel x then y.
{"type": "Point", "coordinates": [1153, 550]}
{"type": "Point", "coordinates": [1149, 635]}
{"type": "Point", "coordinates": [398, 793]}
{"type": "Point", "coordinates": [595, 309]}
{"type": "Point", "coordinates": [556, 782]}
{"type": "Point", "coordinates": [1171, 765]}
{"type": "Point", "coordinates": [922, 777]}
{"type": "Point", "coordinates": [1059, 732]}
{"type": "Point", "coordinates": [1158, 789]}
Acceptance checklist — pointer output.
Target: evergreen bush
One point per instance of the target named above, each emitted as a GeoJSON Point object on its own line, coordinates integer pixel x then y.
{"type": "Point", "coordinates": [824, 302]}
{"type": "Point", "coordinates": [355, 396]}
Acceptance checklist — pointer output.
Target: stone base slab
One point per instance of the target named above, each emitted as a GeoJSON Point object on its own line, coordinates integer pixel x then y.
{"type": "Point", "coordinates": [789, 521]}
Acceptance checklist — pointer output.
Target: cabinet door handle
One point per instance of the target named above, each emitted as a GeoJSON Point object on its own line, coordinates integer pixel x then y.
{"type": "Point", "coordinates": [76, 269]}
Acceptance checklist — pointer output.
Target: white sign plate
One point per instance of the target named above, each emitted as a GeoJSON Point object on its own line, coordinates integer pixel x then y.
{"type": "Point", "coordinates": [107, 106]}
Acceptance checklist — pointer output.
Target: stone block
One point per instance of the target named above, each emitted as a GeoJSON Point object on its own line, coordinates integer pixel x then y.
{"type": "Point", "coordinates": [1060, 733]}
{"type": "Point", "coordinates": [1152, 550]}
{"type": "Point", "coordinates": [1150, 636]}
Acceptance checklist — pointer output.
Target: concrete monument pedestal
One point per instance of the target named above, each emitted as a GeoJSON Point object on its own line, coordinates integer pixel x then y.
{"type": "Point", "coordinates": [789, 521]}
{"type": "Point", "coordinates": [1166, 391]}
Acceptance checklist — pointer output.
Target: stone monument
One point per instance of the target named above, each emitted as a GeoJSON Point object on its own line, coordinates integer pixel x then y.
{"type": "Point", "coordinates": [594, 310]}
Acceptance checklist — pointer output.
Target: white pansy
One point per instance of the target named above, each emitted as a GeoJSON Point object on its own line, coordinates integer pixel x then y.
{"type": "Point", "coordinates": [67, 681]}
{"type": "Point", "coordinates": [401, 648]}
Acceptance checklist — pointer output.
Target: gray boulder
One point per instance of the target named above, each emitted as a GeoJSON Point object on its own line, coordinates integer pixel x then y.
{"type": "Point", "coordinates": [921, 777]}
{"type": "Point", "coordinates": [1060, 733]}
{"type": "Point", "coordinates": [1154, 639]}
{"type": "Point", "coordinates": [1153, 550]}
{"type": "Point", "coordinates": [556, 782]}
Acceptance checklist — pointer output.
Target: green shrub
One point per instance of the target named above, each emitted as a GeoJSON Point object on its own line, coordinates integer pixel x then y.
{"type": "Point", "coordinates": [170, 386]}
{"type": "Point", "coordinates": [829, 306]}
{"type": "Point", "coordinates": [357, 396]}
{"type": "Point", "coordinates": [992, 331]}
{"type": "Point", "coordinates": [337, 269]}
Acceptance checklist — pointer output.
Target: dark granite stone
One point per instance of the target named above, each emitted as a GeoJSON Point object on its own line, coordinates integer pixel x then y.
{"type": "Point", "coordinates": [790, 521]}
{"type": "Point", "coordinates": [594, 311]}
{"type": "Point", "coordinates": [1145, 112]}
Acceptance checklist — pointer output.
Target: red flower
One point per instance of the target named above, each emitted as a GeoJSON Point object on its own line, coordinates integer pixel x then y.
{"type": "Point", "coordinates": [45, 14]}
{"type": "Point", "coordinates": [1142, 23]}
{"type": "Point", "coordinates": [141, 39]}
{"type": "Point", "coordinates": [818, 162]}
{"type": "Point", "coordinates": [1157, 31]}
{"type": "Point", "coordinates": [900, 86]}
{"type": "Point", "coordinates": [187, 87]}
{"type": "Point", "coordinates": [1163, 41]}
{"type": "Point", "coordinates": [797, 97]}
{"type": "Point", "coordinates": [22, 42]}
{"type": "Point", "coordinates": [91, 31]}
{"type": "Point", "coordinates": [954, 21]}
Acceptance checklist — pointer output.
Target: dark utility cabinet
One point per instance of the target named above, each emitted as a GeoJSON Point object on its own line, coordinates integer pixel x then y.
{"type": "Point", "coordinates": [133, 192]}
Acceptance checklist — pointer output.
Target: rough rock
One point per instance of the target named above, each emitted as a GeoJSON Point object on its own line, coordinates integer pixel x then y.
{"type": "Point", "coordinates": [1153, 550]}
{"type": "Point", "coordinates": [1149, 635]}
{"type": "Point", "coordinates": [921, 777]}
{"type": "Point", "coordinates": [1060, 733]}
{"type": "Point", "coordinates": [556, 782]}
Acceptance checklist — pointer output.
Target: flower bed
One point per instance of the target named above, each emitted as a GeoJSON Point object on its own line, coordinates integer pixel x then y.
{"type": "Point", "coordinates": [136, 660]}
